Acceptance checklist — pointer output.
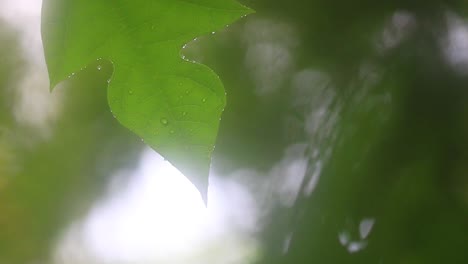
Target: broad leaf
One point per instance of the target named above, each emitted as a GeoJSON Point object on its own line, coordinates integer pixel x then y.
{"type": "Point", "coordinates": [174, 105]}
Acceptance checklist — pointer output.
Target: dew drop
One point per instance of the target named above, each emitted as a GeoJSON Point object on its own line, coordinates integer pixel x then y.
{"type": "Point", "coordinates": [164, 121]}
{"type": "Point", "coordinates": [130, 92]}
{"type": "Point", "coordinates": [204, 100]}
{"type": "Point", "coordinates": [99, 67]}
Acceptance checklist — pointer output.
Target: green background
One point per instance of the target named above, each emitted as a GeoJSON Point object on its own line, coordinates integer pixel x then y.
{"type": "Point", "coordinates": [384, 124]}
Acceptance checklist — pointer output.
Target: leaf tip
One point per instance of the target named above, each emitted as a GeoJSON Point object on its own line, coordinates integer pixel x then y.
{"type": "Point", "coordinates": [52, 85]}
{"type": "Point", "coordinates": [247, 10]}
{"type": "Point", "coordinates": [204, 196]}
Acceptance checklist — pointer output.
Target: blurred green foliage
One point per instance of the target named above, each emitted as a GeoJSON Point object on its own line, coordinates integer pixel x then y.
{"type": "Point", "coordinates": [394, 148]}
{"type": "Point", "coordinates": [48, 182]}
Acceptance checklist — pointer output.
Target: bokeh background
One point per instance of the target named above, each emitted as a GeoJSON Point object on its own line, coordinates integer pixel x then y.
{"type": "Point", "coordinates": [344, 140]}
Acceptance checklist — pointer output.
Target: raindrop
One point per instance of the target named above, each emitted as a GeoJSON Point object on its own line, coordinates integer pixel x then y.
{"type": "Point", "coordinates": [204, 100]}
{"type": "Point", "coordinates": [99, 67]}
{"type": "Point", "coordinates": [212, 32]}
{"type": "Point", "coordinates": [164, 121]}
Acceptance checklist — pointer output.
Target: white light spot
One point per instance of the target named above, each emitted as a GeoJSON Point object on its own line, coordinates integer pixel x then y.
{"type": "Point", "coordinates": [365, 227]}
{"type": "Point", "coordinates": [344, 238]}
{"type": "Point", "coordinates": [354, 247]}
{"type": "Point", "coordinates": [159, 216]}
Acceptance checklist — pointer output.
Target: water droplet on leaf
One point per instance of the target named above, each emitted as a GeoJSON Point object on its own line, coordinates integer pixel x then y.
{"type": "Point", "coordinates": [99, 67]}
{"type": "Point", "coordinates": [164, 121]}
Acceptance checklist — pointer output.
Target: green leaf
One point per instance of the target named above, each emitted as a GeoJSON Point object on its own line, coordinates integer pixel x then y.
{"type": "Point", "coordinates": [174, 105]}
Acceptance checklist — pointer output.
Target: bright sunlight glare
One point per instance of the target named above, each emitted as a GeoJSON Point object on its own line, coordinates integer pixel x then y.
{"type": "Point", "coordinates": [159, 215]}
